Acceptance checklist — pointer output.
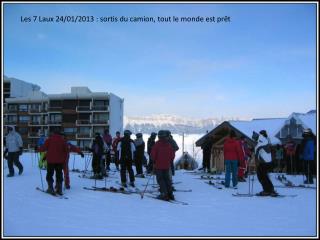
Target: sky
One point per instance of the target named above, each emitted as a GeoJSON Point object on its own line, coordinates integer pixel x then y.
{"type": "Point", "coordinates": [259, 62]}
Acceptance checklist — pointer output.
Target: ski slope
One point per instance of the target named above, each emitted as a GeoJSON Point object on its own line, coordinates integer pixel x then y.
{"type": "Point", "coordinates": [211, 212]}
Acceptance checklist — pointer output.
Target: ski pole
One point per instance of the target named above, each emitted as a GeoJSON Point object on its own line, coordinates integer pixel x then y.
{"type": "Point", "coordinates": [146, 187]}
{"type": "Point", "coordinates": [73, 163]}
{"type": "Point", "coordinates": [40, 172]}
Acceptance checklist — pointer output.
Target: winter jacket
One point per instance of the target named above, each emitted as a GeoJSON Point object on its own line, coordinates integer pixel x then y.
{"type": "Point", "coordinates": [41, 141]}
{"type": "Point", "coordinates": [290, 148]}
{"type": "Point", "coordinates": [162, 154]}
{"type": "Point", "coordinates": [139, 145]}
{"type": "Point", "coordinates": [151, 142]}
{"type": "Point", "coordinates": [232, 150]}
{"type": "Point", "coordinates": [72, 148]}
{"type": "Point", "coordinates": [97, 147]}
{"type": "Point", "coordinates": [262, 153]}
{"type": "Point", "coordinates": [115, 143]}
{"type": "Point", "coordinates": [126, 149]}
{"type": "Point", "coordinates": [308, 150]}
{"type": "Point", "coordinates": [173, 144]}
{"type": "Point", "coordinates": [56, 148]}
{"type": "Point", "coordinates": [107, 139]}
{"type": "Point", "coordinates": [13, 141]}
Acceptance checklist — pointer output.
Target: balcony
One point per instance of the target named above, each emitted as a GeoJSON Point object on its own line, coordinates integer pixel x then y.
{"type": "Point", "coordinates": [83, 122]}
{"type": "Point", "coordinates": [83, 135]}
{"type": "Point", "coordinates": [100, 122]}
{"type": "Point", "coordinates": [55, 109]}
{"type": "Point", "coordinates": [54, 122]}
{"type": "Point", "coordinates": [36, 123]}
{"type": "Point", "coordinates": [37, 110]}
{"type": "Point", "coordinates": [33, 135]}
{"type": "Point", "coordinates": [10, 122]}
{"type": "Point", "coordinates": [11, 110]}
{"type": "Point", "coordinates": [104, 108]}
{"type": "Point", "coordinates": [83, 109]}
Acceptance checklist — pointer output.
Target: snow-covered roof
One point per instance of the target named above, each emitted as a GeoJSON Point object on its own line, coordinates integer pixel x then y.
{"type": "Point", "coordinates": [271, 125]}
{"type": "Point", "coordinates": [33, 96]}
{"type": "Point", "coordinates": [309, 120]}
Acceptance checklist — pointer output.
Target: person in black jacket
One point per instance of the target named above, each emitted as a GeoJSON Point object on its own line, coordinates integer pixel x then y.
{"type": "Point", "coordinates": [126, 150]}
{"type": "Point", "coordinates": [97, 150]}
{"type": "Point", "coordinates": [150, 144]}
{"type": "Point", "coordinates": [139, 154]}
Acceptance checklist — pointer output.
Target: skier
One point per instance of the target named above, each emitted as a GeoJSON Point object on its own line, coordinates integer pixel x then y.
{"type": "Point", "coordinates": [163, 155]}
{"type": "Point", "coordinates": [206, 149]}
{"type": "Point", "coordinates": [57, 150]}
{"type": "Point", "coordinates": [139, 154]}
{"type": "Point", "coordinates": [97, 149]}
{"type": "Point", "coordinates": [71, 148]}
{"type": "Point", "coordinates": [307, 148]}
{"type": "Point", "coordinates": [290, 151]}
{"type": "Point", "coordinates": [14, 148]}
{"type": "Point", "coordinates": [114, 148]}
{"type": "Point", "coordinates": [264, 164]}
{"type": "Point", "coordinates": [243, 165]}
{"type": "Point", "coordinates": [279, 158]}
{"type": "Point", "coordinates": [232, 155]}
{"type": "Point", "coordinates": [107, 139]}
{"type": "Point", "coordinates": [150, 144]}
{"type": "Point", "coordinates": [175, 149]}
{"type": "Point", "coordinates": [42, 164]}
{"type": "Point", "coordinates": [126, 150]}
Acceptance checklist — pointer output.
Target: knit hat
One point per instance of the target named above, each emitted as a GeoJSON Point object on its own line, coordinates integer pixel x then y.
{"type": "Point", "coordinates": [127, 132]}
{"type": "Point", "coordinates": [162, 134]}
{"type": "Point", "coordinates": [139, 135]}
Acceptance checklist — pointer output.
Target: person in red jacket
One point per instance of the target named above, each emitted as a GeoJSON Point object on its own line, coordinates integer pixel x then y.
{"type": "Point", "coordinates": [57, 150]}
{"type": "Point", "coordinates": [71, 148]}
{"type": "Point", "coordinates": [162, 155]}
{"type": "Point", "coordinates": [232, 154]}
{"type": "Point", "coordinates": [115, 142]}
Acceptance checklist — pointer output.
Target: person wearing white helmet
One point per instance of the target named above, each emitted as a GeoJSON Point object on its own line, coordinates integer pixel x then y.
{"type": "Point", "coordinates": [14, 148]}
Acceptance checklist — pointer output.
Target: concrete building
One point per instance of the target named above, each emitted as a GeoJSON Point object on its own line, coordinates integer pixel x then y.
{"type": "Point", "coordinates": [79, 114]}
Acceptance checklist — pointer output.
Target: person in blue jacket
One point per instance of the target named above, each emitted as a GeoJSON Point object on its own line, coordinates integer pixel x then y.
{"type": "Point", "coordinates": [307, 147]}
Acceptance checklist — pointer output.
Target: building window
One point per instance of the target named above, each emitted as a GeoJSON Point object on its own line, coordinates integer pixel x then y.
{"type": "Point", "coordinates": [12, 119]}
{"type": "Point", "coordinates": [24, 119]}
{"type": "Point", "coordinates": [23, 131]}
{"type": "Point", "coordinates": [12, 107]}
{"type": "Point", "coordinates": [70, 131]}
{"type": "Point", "coordinates": [23, 107]}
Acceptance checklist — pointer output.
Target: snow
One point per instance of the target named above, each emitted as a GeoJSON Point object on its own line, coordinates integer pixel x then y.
{"type": "Point", "coordinates": [211, 212]}
{"type": "Point", "coordinates": [271, 125]}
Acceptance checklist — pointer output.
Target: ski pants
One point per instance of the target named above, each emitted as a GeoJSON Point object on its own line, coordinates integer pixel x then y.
{"type": "Point", "coordinates": [108, 160]}
{"type": "Point", "coordinates": [150, 164]}
{"type": "Point", "coordinates": [66, 173]}
{"type": "Point", "coordinates": [51, 168]}
{"type": "Point", "coordinates": [231, 167]}
{"type": "Point", "coordinates": [163, 179]}
{"type": "Point", "coordinates": [262, 174]}
{"type": "Point", "coordinates": [308, 170]}
{"type": "Point", "coordinates": [96, 166]}
{"type": "Point", "coordinates": [13, 158]}
{"type": "Point", "coordinates": [138, 162]}
{"type": "Point", "coordinates": [126, 164]}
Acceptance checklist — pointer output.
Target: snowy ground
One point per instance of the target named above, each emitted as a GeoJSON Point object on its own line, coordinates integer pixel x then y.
{"type": "Point", "coordinates": [211, 212]}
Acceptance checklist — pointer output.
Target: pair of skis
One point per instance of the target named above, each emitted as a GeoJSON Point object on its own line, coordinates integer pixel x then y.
{"type": "Point", "coordinates": [54, 195]}
{"type": "Point", "coordinates": [255, 195]}
{"type": "Point", "coordinates": [288, 184]}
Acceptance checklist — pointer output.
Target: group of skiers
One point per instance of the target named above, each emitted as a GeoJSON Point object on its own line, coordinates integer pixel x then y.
{"type": "Point", "coordinates": [54, 157]}
{"type": "Point", "coordinates": [237, 155]}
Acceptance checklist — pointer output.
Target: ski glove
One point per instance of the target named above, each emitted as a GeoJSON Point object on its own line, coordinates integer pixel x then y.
{"type": "Point", "coordinates": [5, 151]}
{"type": "Point", "coordinates": [81, 154]}
{"type": "Point", "coordinates": [20, 151]}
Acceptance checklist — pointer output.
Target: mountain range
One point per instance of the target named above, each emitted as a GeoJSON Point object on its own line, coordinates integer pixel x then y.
{"type": "Point", "coordinates": [176, 124]}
